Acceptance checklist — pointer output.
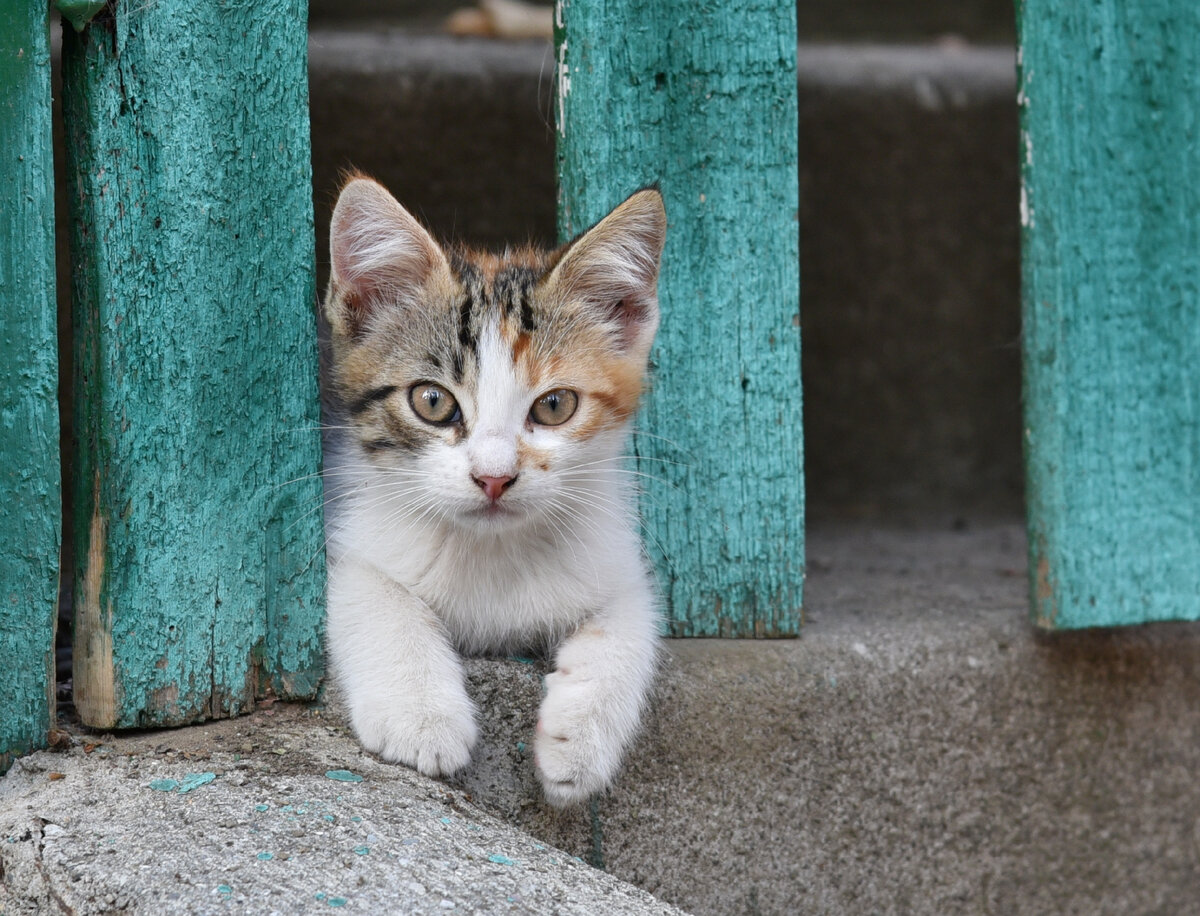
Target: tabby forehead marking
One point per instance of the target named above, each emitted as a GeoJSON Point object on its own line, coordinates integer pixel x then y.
{"type": "Point", "coordinates": [367, 398]}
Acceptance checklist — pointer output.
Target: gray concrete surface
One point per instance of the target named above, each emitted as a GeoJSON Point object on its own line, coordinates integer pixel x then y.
{"type": "Point", "coordinates": [97, 828]}
{"type": "Point", "coordinates": [910, 280]}
{"type": "Point", "coordinates": [921, 749]}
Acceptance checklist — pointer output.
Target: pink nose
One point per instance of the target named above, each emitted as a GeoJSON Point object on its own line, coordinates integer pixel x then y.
{"type": "Point", "coordinates": [493, 487]}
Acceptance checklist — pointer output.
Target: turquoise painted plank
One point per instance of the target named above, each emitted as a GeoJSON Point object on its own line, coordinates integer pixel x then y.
{"type": "Point", "coordinates": [1110, 108]}
{"type": "Point", "coordinates": [701, 98]}
{"type": "Point", "coordinates": [200, 563]}
{"type": "Point", "coordinates": [29, 464]}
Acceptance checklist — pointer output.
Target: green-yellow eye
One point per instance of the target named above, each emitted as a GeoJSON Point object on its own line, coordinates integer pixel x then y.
{"type": "Point", "coordinates": [434, 404]}
{"type": "Point", "coordinates": [554, 408]}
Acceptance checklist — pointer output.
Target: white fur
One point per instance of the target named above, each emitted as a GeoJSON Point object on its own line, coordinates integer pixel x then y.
{"type": "Point", "coordinates": [419, 571]}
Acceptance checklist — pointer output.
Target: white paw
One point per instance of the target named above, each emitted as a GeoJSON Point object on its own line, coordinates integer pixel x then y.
{"type": "Point", "coordinates": [428, 734]}
{"type": "Point", "coordinates": [577, 746]}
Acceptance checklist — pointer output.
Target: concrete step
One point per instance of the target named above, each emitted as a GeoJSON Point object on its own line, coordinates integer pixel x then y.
{"type": "Point", "coordinates": [909, 233]}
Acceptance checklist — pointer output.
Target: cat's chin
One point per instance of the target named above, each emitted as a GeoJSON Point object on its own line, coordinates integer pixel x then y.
{"type": "Point", "coordinates": [493, 518]}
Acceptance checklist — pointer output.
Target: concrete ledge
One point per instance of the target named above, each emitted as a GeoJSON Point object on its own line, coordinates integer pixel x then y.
{"type": "Point", "coordinates": [103, 828]}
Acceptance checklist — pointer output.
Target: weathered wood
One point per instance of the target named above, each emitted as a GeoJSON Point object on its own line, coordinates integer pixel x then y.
{"type": "Point", "coordinates": [199, 550]}
{"type": "Point", "coordinates": [29, 465]}
{"type": "Point", "coordinates": [1110, 107]}
{"type": "Point", "coordinates": [702, 99]}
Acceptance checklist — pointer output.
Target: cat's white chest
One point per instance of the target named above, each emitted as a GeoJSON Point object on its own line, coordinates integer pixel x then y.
{"type": "Point", "coordinates": [498, 595]}
{"type": "Point", "coordinates": [515, 589]}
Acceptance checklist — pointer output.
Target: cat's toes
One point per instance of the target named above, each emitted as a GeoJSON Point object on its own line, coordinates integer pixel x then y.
{"type": "Point", "coordinates": [574, 756]}
{"type": "Point", "coordinates": [566, 780]}
{"type": "Point", "coordinates": [433, 743]}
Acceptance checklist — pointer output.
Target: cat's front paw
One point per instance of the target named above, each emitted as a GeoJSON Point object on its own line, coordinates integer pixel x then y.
{"type": "Point", "coordinates": [435, 739]}
{"type": "Point", "coordinates": [577, 750]}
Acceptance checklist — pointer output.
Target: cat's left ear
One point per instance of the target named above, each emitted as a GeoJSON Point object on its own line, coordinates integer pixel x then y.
{"type": "Point", "coordinates": [611, 271]}
{"type": "Point", "coordinates": [380, 256]}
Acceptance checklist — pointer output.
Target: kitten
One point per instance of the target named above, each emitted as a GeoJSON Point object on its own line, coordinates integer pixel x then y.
{"type": "Point", "coordinates": [478, 501]}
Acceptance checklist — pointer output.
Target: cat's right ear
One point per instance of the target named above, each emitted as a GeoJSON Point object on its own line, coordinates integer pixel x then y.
{"type": "Point", "coordinates": [380, 256]}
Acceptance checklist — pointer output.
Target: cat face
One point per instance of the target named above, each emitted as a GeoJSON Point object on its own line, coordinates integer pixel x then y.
{"type": "Point", "coordinates": [489, 390]}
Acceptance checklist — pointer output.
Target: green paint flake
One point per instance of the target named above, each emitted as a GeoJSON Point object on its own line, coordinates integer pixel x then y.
{"type": "Point", "coordinates": [265, 856]}
{"type": "Point", "coordinates": [343, 776]}
{"type": "Point", "coordinates": [445, 820]}
{"type": "Point", "coordinates": [362, 850]}
{"type": "Point", "coordinates": [336, 901]}
{"type": "Point", "coordinates": [521, 659]}
{"type": "Point", "coordinates": [262, 807]}
{"type": "Point", "coordinates": [330, 818]}
{"type": "Point", "coordinates": [520, 747]}
{"type": "Point", "coordinates": [500, 860]}
{"type": "Point", "coordinates": [195, 781]}
{"type": "Point", "coordinates": [224, 889]}
{"type": "Point", "coordinates": [356, 819]}
{"type": "Point", "coordinates": [164, 785]}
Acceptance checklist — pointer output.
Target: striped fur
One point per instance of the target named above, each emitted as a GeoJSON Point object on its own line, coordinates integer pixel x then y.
{"type": "Point", "coordinates": [489, 530]}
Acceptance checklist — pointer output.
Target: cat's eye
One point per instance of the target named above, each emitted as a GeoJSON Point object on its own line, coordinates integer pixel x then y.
{"type": "Point", "coordinates": [554, 407]}
{"type": "Point", "coordinates": [434, 404]}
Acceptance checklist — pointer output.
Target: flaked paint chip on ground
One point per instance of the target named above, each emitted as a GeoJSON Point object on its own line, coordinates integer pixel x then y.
{"type": "Point", "coordinates": [500, 860]}
{"type": "Point", "coordinates": [195, 781]}
{"type": "Point", "coordinates": [190, 782]}
{"type": "Point", "coordinates": [343, 776]}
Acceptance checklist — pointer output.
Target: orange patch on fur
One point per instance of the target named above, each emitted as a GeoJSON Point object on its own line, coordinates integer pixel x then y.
{"type": "Point", "coordinates": [527, 456]}
{"type": "Point", "coordinates": [520, 345]}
